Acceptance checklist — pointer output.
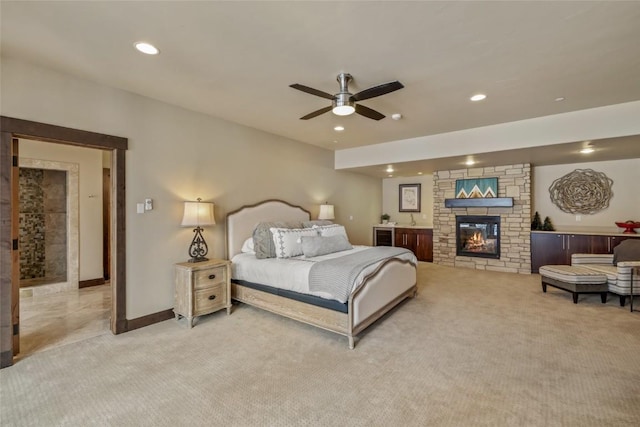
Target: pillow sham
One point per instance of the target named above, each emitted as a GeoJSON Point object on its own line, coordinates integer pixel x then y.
{"type": "Point", "coordinates": [318, 245]}
{"type": "Point", "coordinates": [318, 222]}
{"type": "Point", "coordinates": [332, 230]}
{"type": "Point", "coordinates": [287, 240]}
{"type": "Point", "coordinates": [263, 239]}
{"type": "Point", "coordinates": [247, 246]}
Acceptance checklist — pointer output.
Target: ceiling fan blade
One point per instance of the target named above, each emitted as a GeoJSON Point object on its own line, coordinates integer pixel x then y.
{"type": "Point", "coordinates": [312, 91]}
{"type": "Point", "coordinates": [368, 112]}
{"type": "Point", "coordinates": [372, 92]}
{"type": "Point", "coordinates": [317, 113]}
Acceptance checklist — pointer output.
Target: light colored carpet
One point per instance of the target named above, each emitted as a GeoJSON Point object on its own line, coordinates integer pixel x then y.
{"type": "Point", "coordinates": [473, 348]}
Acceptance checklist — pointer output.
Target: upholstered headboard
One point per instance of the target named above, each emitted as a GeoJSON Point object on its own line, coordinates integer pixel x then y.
{"type": "Point", "coordinates": [240, 223]}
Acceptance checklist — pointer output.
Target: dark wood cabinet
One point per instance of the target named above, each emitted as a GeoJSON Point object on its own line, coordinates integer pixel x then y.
{"type": "Point", "coordinates": [424, 245]}
{"type": "Point", "coordinates": [417, 240]}
{"type": "Point", "coordinates": [557, 248]}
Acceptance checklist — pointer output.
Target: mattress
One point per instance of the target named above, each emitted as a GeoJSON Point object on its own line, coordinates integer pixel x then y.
{"type": "Point", "coordinates": [292, 274]}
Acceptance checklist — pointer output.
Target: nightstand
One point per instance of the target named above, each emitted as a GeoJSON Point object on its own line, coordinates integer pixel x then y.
{"type": "Point", "coordinates": [202, 288]}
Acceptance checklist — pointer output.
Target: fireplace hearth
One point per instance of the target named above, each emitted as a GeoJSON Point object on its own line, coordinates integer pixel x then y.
{"type": "Point", "coordinates": [478, 236]}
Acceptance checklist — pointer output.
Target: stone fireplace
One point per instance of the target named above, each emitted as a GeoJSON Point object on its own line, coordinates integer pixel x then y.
{"type": "Point", "coordinates": [514, 229]}
{"type": "Point", "coordinates": [478, 236]}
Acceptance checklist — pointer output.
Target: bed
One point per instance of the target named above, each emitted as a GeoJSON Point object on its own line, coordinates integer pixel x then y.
{"type": "Point", "coordinates": [378, 288]}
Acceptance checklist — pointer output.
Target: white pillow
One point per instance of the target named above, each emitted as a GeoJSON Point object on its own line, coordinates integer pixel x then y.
{"type": "Point", "coordinates": [287, 240]}
{"type": "Point", "coordinates": [332, 230]}
{"type": "Point", "coordinates": [247, 246]}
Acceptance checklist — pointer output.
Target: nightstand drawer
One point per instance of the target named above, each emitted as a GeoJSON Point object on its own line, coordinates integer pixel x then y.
{"type": "Point", "coordinates": [210, 277]}
{"type": "Point", "coordinates": [210, 299]}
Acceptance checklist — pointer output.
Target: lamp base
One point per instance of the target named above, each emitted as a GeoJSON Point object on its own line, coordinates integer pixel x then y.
{"type": "Point", "coordinates": [198, 248]}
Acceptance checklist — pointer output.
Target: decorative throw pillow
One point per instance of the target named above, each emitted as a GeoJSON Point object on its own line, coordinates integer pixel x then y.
{"type": "Point", "coordinates": [247, 246]}
{"type": "Point", "coordinates": [263, 239]}
{"type": "Point", "coordinates": [287, 240]}
{"type": "Point", "coordinates": [318, 222]}
{"type": "Point", "coordinates": [318, 245]}
{"type": "Point", "coordinates": [332, 230]}
{"type": "Point", "coordinates": [627, 250]}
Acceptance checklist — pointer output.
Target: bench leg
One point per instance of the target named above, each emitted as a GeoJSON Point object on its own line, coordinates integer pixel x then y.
{"type": "Point", "coordinates": [544, 287]}
{"type": "Point", "coordinates": [603, 297]}
{"type": "Point", "coordinates": [575, 297]}
{"type": "Point", "coordinates": [623, 298]}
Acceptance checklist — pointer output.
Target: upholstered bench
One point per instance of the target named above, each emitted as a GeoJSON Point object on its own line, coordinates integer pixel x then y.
{"type": "Point", "coordinates": [574, 279]}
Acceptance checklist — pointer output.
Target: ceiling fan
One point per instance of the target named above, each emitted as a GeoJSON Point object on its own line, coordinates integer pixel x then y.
{"type": "Point", "coordinates": [343, 103]}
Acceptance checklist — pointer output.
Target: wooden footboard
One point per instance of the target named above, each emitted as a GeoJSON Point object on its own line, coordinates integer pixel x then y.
{"type": "Point", "coordinates": [393, 281]}
{"type": "Point", "coordinates": [382, 290]}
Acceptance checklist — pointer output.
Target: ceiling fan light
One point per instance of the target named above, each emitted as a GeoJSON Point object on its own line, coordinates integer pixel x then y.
{"type": "Point", "coordinates": [343, 110]}
{"type": "Point", "coordinates": [342, 105]}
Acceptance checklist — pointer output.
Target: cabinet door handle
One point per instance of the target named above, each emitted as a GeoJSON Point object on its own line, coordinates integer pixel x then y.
{"type": "Point", "coordinates": [212, 276]}
{"type": "Point", "coordinates": [212, 297]}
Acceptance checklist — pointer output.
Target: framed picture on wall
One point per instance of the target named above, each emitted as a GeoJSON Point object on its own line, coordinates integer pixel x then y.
{"type": "Point", "coordinates": [409, 195]}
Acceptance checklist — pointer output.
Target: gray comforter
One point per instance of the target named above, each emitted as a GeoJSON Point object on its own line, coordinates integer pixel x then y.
{"type": "Point", "coordinates": [337, 276]}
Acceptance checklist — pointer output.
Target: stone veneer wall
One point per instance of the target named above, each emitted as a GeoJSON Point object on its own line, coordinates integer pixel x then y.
{"type": "Point", "coordinates": [515, 222]}
{"type": "Point", "coordinates": [43, 223]}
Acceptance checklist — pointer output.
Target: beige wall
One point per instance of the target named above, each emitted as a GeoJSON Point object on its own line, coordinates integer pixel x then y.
{"type": "Point", "coordinates": [624, 205]}
{"type": "Point", "coordinates": [89, 198]}
{"type": "Point", "coordinates": [390, 203]}
{"type": "Point", "coordinates": [176, 155]}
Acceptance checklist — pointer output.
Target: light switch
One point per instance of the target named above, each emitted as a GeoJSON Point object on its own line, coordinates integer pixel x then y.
{"type": "Point", "coordinates": [148, 204]}
{"type": "Point", "coordinates": [140, 207]}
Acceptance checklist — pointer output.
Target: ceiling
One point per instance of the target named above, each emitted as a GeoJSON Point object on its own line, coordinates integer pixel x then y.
{"type": "Point", "coordinates": [236, 60]}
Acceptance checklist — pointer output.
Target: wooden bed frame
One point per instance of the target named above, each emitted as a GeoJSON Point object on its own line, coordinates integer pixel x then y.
{"type": "Point", "coordinates": [393, 281]}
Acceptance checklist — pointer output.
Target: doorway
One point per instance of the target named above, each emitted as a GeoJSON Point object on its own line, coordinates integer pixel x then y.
{"type": "Point", "coordinates": [12, 129]}
{"type": "Point", "coordinates": [61, 231]}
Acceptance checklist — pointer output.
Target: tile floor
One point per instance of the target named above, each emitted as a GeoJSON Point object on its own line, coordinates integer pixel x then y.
{"type": "Point", "coordinates": [55, 319]}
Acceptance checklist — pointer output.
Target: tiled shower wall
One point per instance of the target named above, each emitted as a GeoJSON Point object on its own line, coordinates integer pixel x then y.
{"type": "Point", "coordinates": [515, 229]}
{"type": "Point", "coordinates": [43, 223]}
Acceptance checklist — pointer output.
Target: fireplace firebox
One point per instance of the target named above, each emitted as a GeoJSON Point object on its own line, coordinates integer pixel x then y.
{"type": "Point", "coordinates": [478, 236]}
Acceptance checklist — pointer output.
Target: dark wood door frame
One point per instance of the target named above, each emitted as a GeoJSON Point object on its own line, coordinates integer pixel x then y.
{"type": "Point", "coordinates": [18, 128]}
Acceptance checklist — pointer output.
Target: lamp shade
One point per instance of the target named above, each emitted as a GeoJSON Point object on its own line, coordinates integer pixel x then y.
{"type": "Point", "coordinates": [198, 214]}
{"type": "Point", "coordinates": [326, 212]}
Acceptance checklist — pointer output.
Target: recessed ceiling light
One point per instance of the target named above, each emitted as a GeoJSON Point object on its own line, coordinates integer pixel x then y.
{"type": "Point", "coordinates": [419, 173]}
{"type": "Point", "coordinates": [389, 169]}
{"type": "Point", "coordinates": [478, 97]}
{"type": "Point", "coordinates": [147, 48]}
{"type": "Point", "coordinates": [559, 99]}
{"type": "Point", "coordinates": [390, 176]}
{"type": "Point", "coordinates": [396, 116]}
{"type": "Point", "coordinates": [587, 150]}
{"type": "Point", "coordinates": [469, 162]}
{"type": "Point", "coordinates": [338, 128]}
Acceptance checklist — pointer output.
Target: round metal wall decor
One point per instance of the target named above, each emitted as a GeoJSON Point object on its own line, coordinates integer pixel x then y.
{"type": "Point", "coordinates": [583, 191]}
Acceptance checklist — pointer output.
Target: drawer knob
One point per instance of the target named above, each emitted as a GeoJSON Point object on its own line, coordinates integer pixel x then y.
{"type": "Point", "coordinates": [212, 297]}
{"type": "Point", "coordinates": [212, 276]}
